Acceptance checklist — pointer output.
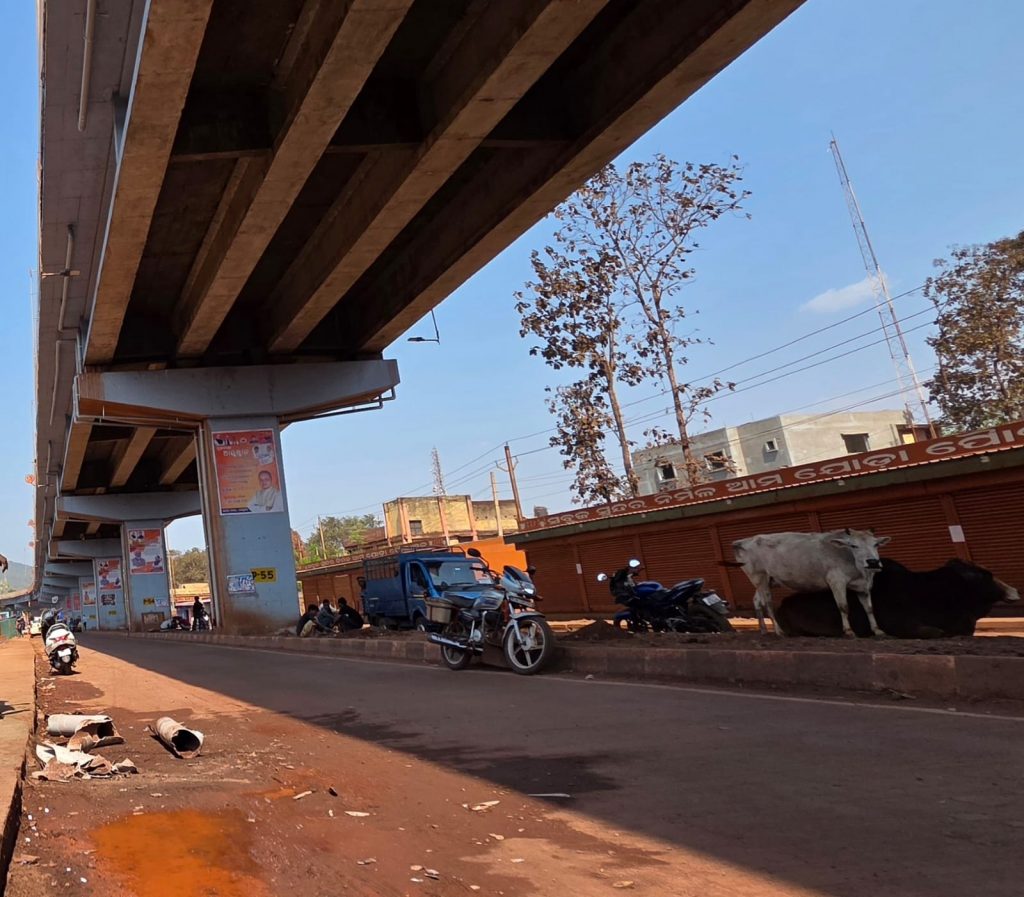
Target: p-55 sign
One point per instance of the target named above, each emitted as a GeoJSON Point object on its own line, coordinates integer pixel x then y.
{"type": "Point", "coordinates": [264, 574]}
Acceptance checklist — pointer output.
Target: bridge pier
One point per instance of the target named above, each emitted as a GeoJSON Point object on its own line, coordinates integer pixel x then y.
{"type": "Point", "coordinates": [237, 414]}
{"type": "Point", "coordinates": [147, 586]}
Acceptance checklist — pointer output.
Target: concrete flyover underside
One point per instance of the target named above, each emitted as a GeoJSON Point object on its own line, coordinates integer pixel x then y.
{"type": "Point", "coordinates": [246, 192]}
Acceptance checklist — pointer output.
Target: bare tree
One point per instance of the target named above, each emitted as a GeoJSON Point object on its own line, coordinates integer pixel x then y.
{"type": "Point", "coordinates": [979, 298]}
{"type": "Point", "coordinates": [643, 224]}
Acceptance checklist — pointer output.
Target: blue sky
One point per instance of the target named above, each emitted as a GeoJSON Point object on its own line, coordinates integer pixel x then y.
{"type": "Point", "coordinates": [925, 99]}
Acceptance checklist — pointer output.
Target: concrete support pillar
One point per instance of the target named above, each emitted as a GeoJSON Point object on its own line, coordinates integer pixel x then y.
{"type": "Point", "coordinates": [146, 580]}
{"type": "Point", "coordinates": [90, 612]}
{"type": "Point", "coordinates": [248, 530]}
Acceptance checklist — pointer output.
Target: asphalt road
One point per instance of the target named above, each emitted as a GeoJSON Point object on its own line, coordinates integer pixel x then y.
{"type": "Point", "coordinates": [823, 796]}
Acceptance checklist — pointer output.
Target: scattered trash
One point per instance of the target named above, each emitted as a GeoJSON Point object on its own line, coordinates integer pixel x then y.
{"type": "Point", "coordinates": [479, 808]}
{"type": "Point", "coordinates": [369, 861]}
{"type": "Point", "coordinates": [61, 764]}
{"type": "Point", "coordinates": [474, 887]}
{"type": "Point", "coordinates": [418, 881]}
{"type": "Point", "coordinates": [432, 873]}
{"type": "Point", "coordinates": [302, 795]}
{"type": "Point", "coordinates": [496, 837]}
{"type": "Point", "coordinates": [332, 792]}
{"type": "Point", "coordinates": [518, 860]}
{"type": "Point", "coordinates": [184, 743]}
{"type": "Point", "coordinates": [125, 767]}
{"type": "Point", "coordinates": [356, 813]}
{"type": "Point", "coordinates": [623, 884]}
{"type": "Point", "coordinates": [551, 794]}
{"type": "Point", "coordinates": [415, 868]}
{"type": "Point", "coordinates": [27, 860]}
{"type": "Point", "coordinates": [589, 676]}
{"type": "Point", "coordinates": [84, 733]}
{"type": "Point", "coordinates": [330, 813]}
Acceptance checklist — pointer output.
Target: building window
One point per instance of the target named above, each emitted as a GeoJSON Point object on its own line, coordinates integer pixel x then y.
{"type": "Point", "coordinates": [855, 443]}
{"type": "Point", "coordinates": [416, 527]}
{"type": "Point", "coordinates": [770, 446]}
{"type": "Point", "coordinates": [667, 471]}
{"type": "Point", "coordinates": [716, 461]}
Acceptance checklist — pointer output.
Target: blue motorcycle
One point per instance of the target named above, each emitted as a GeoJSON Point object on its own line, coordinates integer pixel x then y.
{"type": "Point", "coordinates": [686, 607]}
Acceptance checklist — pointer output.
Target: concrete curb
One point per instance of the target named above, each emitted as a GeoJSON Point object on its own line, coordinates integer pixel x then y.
{"type": "Point", "coordinates": [17, 673]}
{"type": "Point", "coordinates": [937, 676]}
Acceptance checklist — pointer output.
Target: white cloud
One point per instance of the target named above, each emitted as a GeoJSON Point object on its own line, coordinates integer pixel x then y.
{"type": "Point", "coordinates": [840, 298]}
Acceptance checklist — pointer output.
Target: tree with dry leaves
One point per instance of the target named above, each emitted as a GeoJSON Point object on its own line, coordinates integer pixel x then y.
{"type": "Point", "coordinates": [979, 299]}
{"type": "Point", "coordinates": [582, 422]}
{"type": "Point", "coordinates": [608, 296]}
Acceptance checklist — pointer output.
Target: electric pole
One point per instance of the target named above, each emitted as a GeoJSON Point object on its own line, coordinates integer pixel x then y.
{"type": "Point", "coordinates": [497, 503]}
{"type": "Point", "coordinates": [906, 376]}
{"type": "Point", "coordinates": [511, 469]}
{"type": "Point", "coordinates": [323, 544]}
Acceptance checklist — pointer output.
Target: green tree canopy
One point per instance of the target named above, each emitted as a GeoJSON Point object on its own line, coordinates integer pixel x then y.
{"type": "Point", "coordinates": [190, 566]}
{"type": "Point", "coordinates": [340, 535]}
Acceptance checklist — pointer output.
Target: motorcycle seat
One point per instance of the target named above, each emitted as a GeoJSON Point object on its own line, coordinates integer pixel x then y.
{"type": "Point", "coordinates": [687, 584]}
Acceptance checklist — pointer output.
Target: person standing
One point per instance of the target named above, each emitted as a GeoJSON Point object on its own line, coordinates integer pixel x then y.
{"type": "Point", "coordinates": [197, 614]}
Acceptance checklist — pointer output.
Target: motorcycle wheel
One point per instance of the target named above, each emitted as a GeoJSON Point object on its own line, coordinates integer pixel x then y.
{"type": "Point", "coordinates": [454, 658]}
{"type": "Point", "coordinates": [708, 620]}
{"type": "Point", "coordinates": [538, 644]}
{"type": "Point", "coordinates": [65, 668]}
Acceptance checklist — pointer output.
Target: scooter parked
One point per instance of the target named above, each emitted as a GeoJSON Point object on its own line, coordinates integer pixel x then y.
{"type": "Point", "coordinates": [61, 648]}
{"type": "Point", "coordinates": [686, 607]}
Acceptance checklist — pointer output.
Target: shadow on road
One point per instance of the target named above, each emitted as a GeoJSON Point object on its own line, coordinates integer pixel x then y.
{"type": "Point", "coordinates": [845, 800]}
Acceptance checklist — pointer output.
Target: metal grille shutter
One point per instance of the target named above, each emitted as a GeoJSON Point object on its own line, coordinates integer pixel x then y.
{"type": "Point", "coordinates": [740, 590]}
{"type": "Point", "coordinates": [556, 577]}
{"type": "Point", "coordinates": [993, 522]}
{"type": "Point", "coordinates": [604, 556]}
{"type": "Point", "coordinates": [918, 528]}
{"type": "Point", "coordinates": [681, 553]}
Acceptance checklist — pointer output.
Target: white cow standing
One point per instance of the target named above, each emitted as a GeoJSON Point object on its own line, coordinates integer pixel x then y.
{"type": "Point", "coordinates": [839, 560]}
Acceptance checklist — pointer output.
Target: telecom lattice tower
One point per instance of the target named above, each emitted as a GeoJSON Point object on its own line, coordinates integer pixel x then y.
{"type": "Point", "coordinates": [906, 376]}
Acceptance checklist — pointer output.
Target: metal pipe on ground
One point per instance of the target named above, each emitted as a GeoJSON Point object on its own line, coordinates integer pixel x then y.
{"type": "Point", "coordinates": [181, 741]}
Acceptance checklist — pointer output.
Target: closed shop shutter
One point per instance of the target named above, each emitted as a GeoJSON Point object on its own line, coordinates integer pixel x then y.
{"type": "Point", "coordinates": [556, 578]}
{"type": "Point", "coordinates": [917, 527]}
{"type": "Point", "coordinates": [604, 556]}
{"type": "Point", "coordinates": [741, 589]}
{"type": "Point", "coordinates": [993, 522]}
{"type": "Point", "coordinates": [676, 553]}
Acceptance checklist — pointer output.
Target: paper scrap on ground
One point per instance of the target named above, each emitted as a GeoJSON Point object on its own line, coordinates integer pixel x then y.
{"type": "Point", "coordinates": [93, 764]}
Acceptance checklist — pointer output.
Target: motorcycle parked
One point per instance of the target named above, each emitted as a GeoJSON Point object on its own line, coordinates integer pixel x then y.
{"type": "Point", "coordinates": [61, 648]}
{"type": "Point", "coordinates": [686, 607]}
{"type": "Point", "coordinates": [494, 610]}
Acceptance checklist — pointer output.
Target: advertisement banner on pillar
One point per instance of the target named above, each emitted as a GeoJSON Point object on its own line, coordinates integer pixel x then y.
{"type": "Point", "coordinates": [110, 590]}
{"type": "Point", "coordinates": [145, 551]}
{"type": "Point", "coordinates": [89, 594]}
{"type": "Point", "coordinates": [248, 473]}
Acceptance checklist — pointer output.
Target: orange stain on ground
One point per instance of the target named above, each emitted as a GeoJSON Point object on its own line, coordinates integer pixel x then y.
{"type": "Point", "coordinates": [181, 854]}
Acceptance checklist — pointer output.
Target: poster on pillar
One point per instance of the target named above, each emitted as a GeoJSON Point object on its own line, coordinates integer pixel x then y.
{"type": "Point", "coordinates": [89, 614]}
{"type": "Point", "coordinates": [248, 474]}
{"type": "Point", "coordinates": [145, 552]}
{"type": "Point", "coordinates": [110, 593]}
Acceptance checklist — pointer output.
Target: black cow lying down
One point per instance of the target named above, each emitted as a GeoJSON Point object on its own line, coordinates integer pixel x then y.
{"type": "Point", "coordinates": [939, 603]}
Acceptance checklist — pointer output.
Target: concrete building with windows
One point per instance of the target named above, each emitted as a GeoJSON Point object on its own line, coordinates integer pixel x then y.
{"type": "Point", "coordinates": [455, 518]}
{"type": "Point", "coordinates": [784, 440]}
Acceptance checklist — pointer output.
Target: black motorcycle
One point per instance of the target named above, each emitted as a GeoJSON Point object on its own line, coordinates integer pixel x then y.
{"type": "Point", "coordinates": [686, 607]}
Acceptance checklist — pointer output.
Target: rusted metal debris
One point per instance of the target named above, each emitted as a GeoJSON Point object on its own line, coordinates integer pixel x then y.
{"type": "Point", "coordinates": [84, 732]}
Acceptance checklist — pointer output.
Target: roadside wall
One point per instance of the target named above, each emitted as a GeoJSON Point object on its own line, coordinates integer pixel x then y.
{"type": "Point", "coordinates": [922, 518]}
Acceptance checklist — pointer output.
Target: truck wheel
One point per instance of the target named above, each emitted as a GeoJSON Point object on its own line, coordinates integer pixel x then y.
{"type": "Point", "coordinates": [421, 624]}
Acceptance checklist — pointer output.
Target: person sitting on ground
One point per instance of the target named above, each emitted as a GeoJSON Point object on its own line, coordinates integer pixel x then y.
{"type": "Point", "coordinates": [307, 622]}
{"type": "Point", "coordinates": [349, 618]}
{"type": "Point", "coordinates": [326, 618]}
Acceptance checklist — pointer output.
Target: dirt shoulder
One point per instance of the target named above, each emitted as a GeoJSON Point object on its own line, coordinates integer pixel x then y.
{"type": "Point", "coordinates": [275, 804]}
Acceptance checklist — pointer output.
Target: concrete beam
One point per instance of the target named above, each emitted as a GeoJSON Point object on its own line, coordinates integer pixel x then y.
{"type": "Point", "coordinates": [74, 455]}
{"type": "Point", "coordinates": [63, 568]}
{"type": "Point", "coordinates": [129, 506]}
{"type": "Point", "coordinates": [170, 44]}
{"type": "Point", "coordinates": [128, 453]}
{"type": "Point", "coordinates": [497, 61]}
{"type": "Point", "coordinates": [93, 528]}
{"type": "Point", "coordinates": [660, 53]}
{"type": "Point", "coordinates": [177, 456]}
{"type": "Point", "coordinates": [192, 394]}
{"type": "Point", "coordinates": [332, 51]}
{"type": "Point", "coordinates": [89, 548]}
